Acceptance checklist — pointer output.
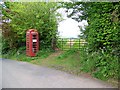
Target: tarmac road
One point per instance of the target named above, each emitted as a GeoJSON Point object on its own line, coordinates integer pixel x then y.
{"type": "Point", "coordinates": [16, 74]}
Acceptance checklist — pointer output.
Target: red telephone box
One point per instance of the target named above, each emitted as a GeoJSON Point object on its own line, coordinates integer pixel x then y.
{"type": "Point", "coordinates": [32, 42]}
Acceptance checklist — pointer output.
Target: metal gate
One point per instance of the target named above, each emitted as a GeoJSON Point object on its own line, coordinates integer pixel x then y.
{"type": "Point", "coordinates": [70, 43]}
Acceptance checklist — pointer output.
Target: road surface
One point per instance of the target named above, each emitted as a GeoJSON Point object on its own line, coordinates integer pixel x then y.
{"type": "Point", "coordinates": [16, 74]}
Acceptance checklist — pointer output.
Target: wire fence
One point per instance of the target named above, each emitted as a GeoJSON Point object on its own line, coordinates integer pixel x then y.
{"type": "Point", "coordinates": [70, 43]}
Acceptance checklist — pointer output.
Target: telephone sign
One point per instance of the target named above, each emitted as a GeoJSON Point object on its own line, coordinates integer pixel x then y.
{"type": "Point", "coordinates": [32, 42]}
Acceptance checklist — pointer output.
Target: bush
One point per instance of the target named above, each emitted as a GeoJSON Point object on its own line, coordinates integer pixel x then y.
{"type": "Point", "coordinates": [106, 66]}
{"type": "Point", "coordinates": [102, 65]}
{"type": "Point", "coordinates": [9, 54]}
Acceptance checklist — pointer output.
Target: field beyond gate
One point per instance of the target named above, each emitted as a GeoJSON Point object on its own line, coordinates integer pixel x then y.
{"type": "Point", "coordinates": [70, 43]}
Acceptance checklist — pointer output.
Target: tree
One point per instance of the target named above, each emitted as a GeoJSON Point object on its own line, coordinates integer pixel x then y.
{"type": "Point", "coordinates": [27, 15]}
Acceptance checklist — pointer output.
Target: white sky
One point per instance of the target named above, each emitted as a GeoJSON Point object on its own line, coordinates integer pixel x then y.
{"type": "Point", "coordinates": [68, 28]}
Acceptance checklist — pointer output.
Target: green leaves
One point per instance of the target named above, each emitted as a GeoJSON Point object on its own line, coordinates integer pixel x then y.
{"type": "Point", "coordinates": [102, 35]}
{"type": "Point", "coordinates": [27, 15]}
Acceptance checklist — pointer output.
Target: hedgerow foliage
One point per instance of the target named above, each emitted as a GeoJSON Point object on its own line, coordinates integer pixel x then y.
{"type": "Point", "coordinates": [104, 27]}
{"type": "Point", "coordinates": [103, 38]}
{"type": "Point", "coordinates": [25, 16]}
{"type": "Point", "coordinates": [100, 57]}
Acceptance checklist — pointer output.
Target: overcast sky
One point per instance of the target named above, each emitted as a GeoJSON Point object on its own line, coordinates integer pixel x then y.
{"type": "Point", "coordinates": [68, 28]}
